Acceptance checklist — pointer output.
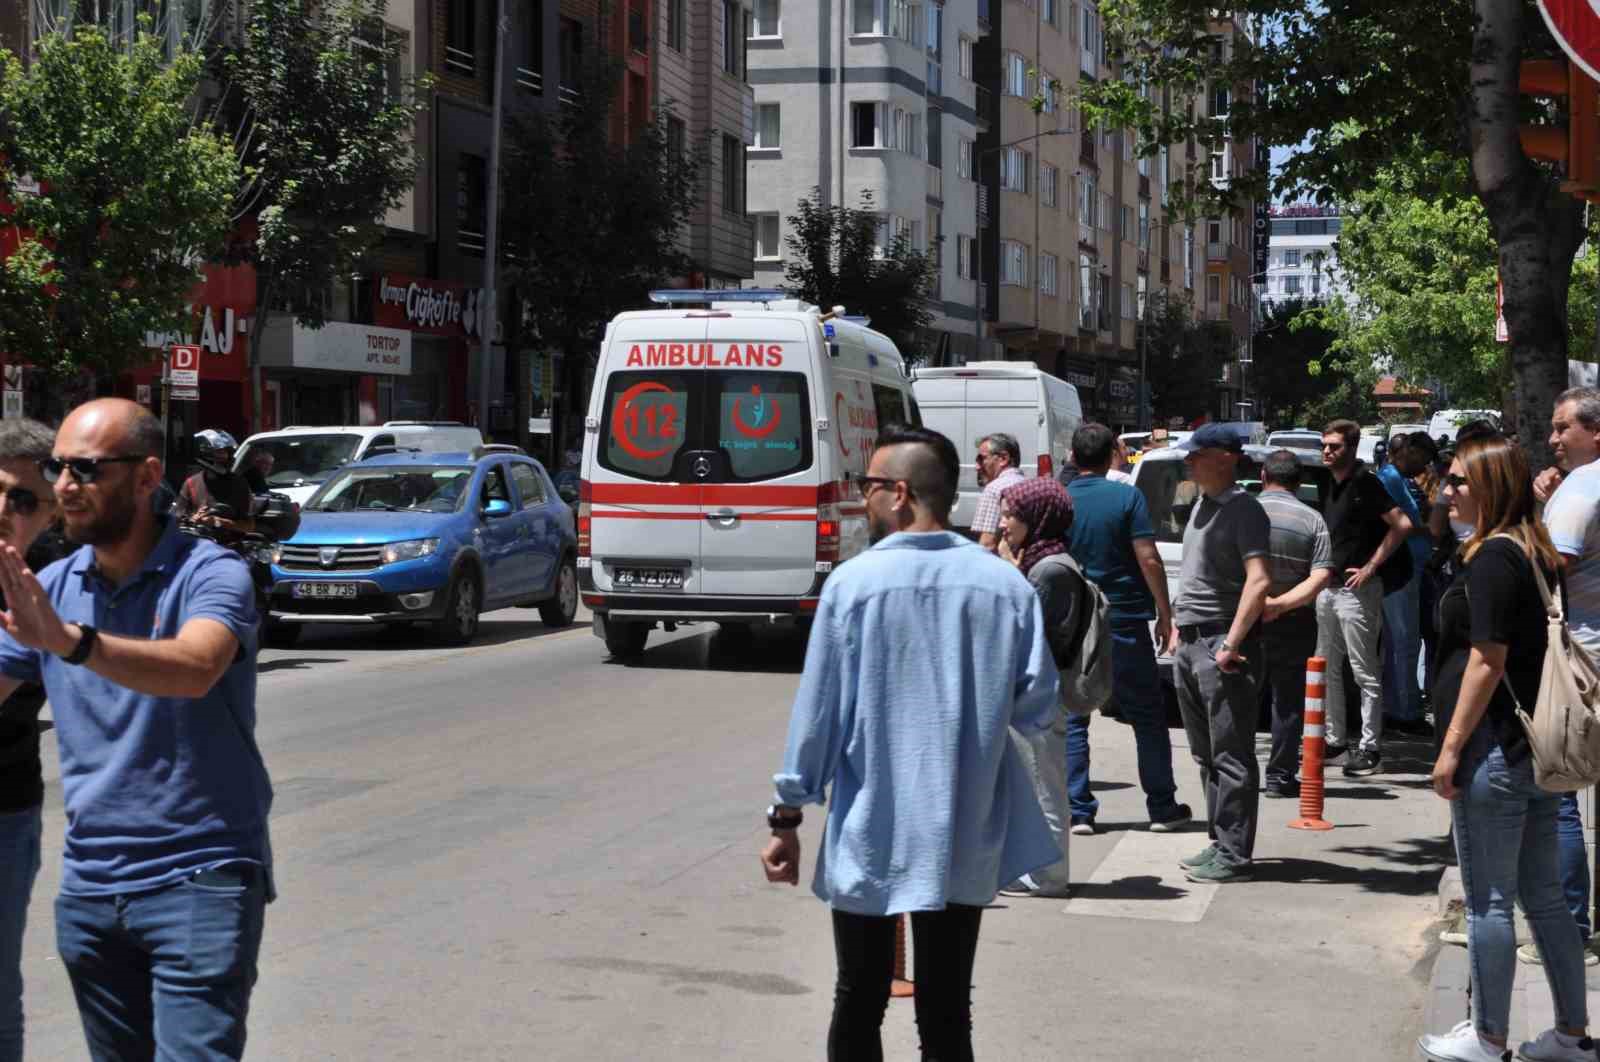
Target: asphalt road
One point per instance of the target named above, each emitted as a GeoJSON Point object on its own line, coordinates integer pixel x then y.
{"type": "Point", "coordinates": [517, 850]}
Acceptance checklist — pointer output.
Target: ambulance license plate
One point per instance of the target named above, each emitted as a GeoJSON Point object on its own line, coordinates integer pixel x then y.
{"type": "Point", "coordinates": [649, 578]}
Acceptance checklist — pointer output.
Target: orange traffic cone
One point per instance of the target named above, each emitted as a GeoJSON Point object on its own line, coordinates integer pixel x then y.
{"type": "Point", "coordinates": [1311, 784]}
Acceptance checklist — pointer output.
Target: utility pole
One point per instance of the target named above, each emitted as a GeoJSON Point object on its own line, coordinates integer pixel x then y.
{"type": "Point", "coordinates": [487, 308]}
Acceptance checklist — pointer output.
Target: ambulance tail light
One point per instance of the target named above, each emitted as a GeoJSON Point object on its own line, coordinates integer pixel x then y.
{"type": "Point", "coordinates": [585, 516]}
{"type": "Point", "coordinates": [828, 521]}
{"type": "Point", "coordinates": [1047, 466]}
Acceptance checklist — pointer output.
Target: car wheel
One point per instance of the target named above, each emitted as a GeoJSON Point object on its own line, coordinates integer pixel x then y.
{"type": "Point", "coordinates": [281, 635]}
{"type": "Point", "coordinates": [460, 620]}
{"type": "Point", "coordinates": [625, 639]}
{"type": "Point", "coordinates": [560, 609]}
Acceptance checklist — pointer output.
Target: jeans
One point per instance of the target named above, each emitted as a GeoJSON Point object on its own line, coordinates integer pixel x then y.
{"type": "Point", "coordinates": [165, 974]}
{"type": "Point", "coordinates": [1505, 831]}
{"type": "Point", "coordinates": [1137, 686]}
{"type": "Point", "coordinates": [1402, 646]}
{"type": "Point", "coordinates": [944, 945]}
{"type": "Point", "coordinates": [1348, 624]}
{"type": "Point", "coordinates": [1219, 715]}
{"type": "Point", "coordinates": [1286, 644]}
{"type": "Point", "coordinates": [1044, 756]}
{"type": "Point", "coordinates": [19, 867]}
{"type": "Point", "coordinates": [1574, 861]}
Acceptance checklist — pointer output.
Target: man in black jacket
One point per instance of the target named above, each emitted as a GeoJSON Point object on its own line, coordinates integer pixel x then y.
{"type": "Point", "coordinates": [27, 509]}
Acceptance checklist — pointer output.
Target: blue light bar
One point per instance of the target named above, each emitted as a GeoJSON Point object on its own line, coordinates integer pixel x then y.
{"type": "Point", "coordinates": [677, 296]}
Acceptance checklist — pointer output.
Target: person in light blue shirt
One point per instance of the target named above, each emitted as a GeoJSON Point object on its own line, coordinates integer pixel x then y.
{"type": "Point", "coordinates": [145, 641]}
{"type": "Point", "coordinates": [1402, 609]}
{"type": "Point", "coordinates": [926, 651]}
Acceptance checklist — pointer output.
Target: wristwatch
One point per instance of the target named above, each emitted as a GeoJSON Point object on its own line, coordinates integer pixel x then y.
{"type": "Point", "coordinates": [85, 645]}
{"type": "Point", "coordinates": [1226, 648]}
{"type": "Point", "coordinates": [783, 822]}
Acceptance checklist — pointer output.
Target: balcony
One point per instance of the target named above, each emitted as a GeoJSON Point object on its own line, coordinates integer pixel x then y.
{"type": "Point", "coordinates": [983, 103]}
{"type": "Point", "coordinates": [1216, 252]}
{"type": "Point", "coordinates": [570, 95]}
{"type": "Point", "coordinates": [531, 80]}
{"type": "Point", "coordinates": [458, 61]}
{"type": "Point", "coordinates": [471, 242]}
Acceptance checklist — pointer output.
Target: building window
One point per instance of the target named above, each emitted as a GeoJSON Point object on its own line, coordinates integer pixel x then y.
{"type": "Point", "coordinates": [1291, 259]}
{"type": "Point", "coordinates": [1127, 302]}
{"type": "Point", "coordinates": [964, 149]}
{"type": "Point", "coordinates": [1125, 230]}
{"type": "Point", "coordinates": [1052, 12]}
{"type": "Point", "coordinates": [677, 138]}
{"type": "Point", "coordinates": [768, 127]}
{"type": "Point", "coordinates": [964, 58]}
{"type": "Point", "coordinates": [1143, 283]}
{"type": "Point", "coordinates": [732, 16]}
{"type": "Point", "coordinates": [1013, 263]}
{"type": "Point", "coordinates": [867, 125]}
{"type": "Point", "coordinates": [767, 246]}
{"type": "Point", "coordinates": [1086, 291]}
{"type": "Point", "coordinates": [1161, 175]}
{"type": "Point", "coordinates": [677, 23]}
{"type": "Point", "coordinates": [936, 239]}
{"type": "Point", "coordinates": [571, 54]}
{"type": "Point", "coordinates": [1049, 184]}
{"type": "Point", "coordinates": [1220, 98]}
{"type": "Point", "coordinates": [472, 198]}
{"type": "Point", "coordinates": [964, 257]}
{"type": "Point", "coordinates": [1049, 88]}
{"type": "Point", "coordinates": [385, 49]}
{"type": "Point", "coordinates": [1291, 285]}
{"type": "Point", "coordinates": [767, 22]}
{"type": "Point", "coordinates": [461, 37]}
{"type": "Point", "coordinates": [1144, 224]}
{"type": "Point", "coordinates": [1089, 41]}
{"type": "Point", "coordinates": [732, 176]}
{"type": "Point", "coordinates": [1188, 258]}
{"type": "Point", "coordinates": [1088, 198]}
{"type": "Point", "coordinates": [1107, 218]}
{"type": "Point", "coordinates": [892, 18]}
{"type": "Point", "coordinates": [1016, 75]}
{"type": "Point", "coordinates": [1014, 166]}
{"type": "Point", "coordinates": [1047, 274]}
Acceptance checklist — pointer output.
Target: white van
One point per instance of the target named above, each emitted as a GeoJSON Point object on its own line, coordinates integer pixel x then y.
{"type": "Point", "coordinates": [305, 458]}
{"type": "Point", "coordinates": [718, 460]}
{"type": "Point", "coordinates": [980, 398]}
{"type": "Point", "coordinates": [1447, 422]}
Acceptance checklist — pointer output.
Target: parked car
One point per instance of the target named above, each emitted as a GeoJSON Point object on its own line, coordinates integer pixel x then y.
{"type": "Point", "coordinates": [435, 538]}
{"type": "Point", "coordinates": [1296, 439]}
{"type": "Point", "coordinates": [303, 459]}
{"type": "Point", "coordinates": [1163, 479]}
{"type": "Point", "coordinates": [982, 397]}
{"type": "Point", "coordinates": [1447, 422]}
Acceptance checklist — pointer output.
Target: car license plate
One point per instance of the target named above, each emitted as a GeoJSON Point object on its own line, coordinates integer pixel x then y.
{"type": "Point", "coordinates": [324, 590]}
{"type": "Point", "coordinates": [650, 578]}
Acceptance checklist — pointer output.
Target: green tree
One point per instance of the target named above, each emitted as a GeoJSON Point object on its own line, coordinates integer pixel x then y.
{"type": "Point", "coordinates": [1353, 86]}
{"type": "Point", "coordinates": [1292, 374]}
{"type": "Point", "coordinates": [1185, 356]}
{"type": "Point", "coordinates": [837, 259]}
{"type": "Point", "coordinates": [326, 134]}
{"type": "Point", "coordinates": [589, 224]}
{"type": "Point", "coordinates": [117, 197]}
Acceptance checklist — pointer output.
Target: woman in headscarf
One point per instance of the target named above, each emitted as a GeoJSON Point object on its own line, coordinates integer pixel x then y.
{"type": "Point", "coordinates": [1035, 516]}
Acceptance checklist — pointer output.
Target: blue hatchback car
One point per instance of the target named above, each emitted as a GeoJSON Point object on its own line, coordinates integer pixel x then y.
{"type": "Point", "coordinates": [439, 538]}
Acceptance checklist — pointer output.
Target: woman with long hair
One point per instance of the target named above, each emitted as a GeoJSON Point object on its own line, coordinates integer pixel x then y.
{"type": "Point", "coordinates": [1491, 651]}
{"type": "Point", "coordinates": [1035, 516]}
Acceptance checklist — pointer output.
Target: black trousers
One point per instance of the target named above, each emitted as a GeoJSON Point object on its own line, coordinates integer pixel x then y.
{"type": "Point", "coordinates": [944, 945]}
{"type": "Point", "coordinates": [1287, 644]}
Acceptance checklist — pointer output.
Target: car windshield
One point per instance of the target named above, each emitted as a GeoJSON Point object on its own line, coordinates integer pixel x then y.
{"type": "Point", "coordinates": [299, 460]}
{"type": "Point", "coordinates": [398, 488]}
{"type": "Point", "coordinates": [1171, 494]}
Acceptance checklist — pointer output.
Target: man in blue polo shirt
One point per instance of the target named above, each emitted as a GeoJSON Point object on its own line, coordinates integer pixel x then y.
{"type": "Point", "coordinates": [144, 640]}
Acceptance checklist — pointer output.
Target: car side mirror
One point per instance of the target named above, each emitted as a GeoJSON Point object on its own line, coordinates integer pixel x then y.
{"type": "Point", "coordinates": [496, 507]}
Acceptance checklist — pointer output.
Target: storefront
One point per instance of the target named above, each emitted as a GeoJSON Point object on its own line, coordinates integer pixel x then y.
{"type": "Point", "coordinates": [442, 318]}
{"type": "Point", "coordinates": [330, 375]}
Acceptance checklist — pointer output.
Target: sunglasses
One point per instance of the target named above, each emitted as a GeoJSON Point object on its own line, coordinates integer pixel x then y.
{"type": "Point", "coordinates": [1456, 482]}
{"type": "Point", "coordinates": [84, 469]}
{"type": "Point", "coordinates": [865, 485]}
{"type": "Point", "coordinates": [1333, 446]}
{"type": "Point", "coordinates": [22, 501]}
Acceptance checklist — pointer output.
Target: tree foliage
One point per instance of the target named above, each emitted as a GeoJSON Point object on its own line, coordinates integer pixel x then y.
{"type": "Point", "coordinates": [591, 225]}
{"type": "Point", "coordinates": [1294, 378]}
{"type": "Point", "coordinates": [1352, 85]}
{"type": "Point", "coordinates": [838, 258]}
{"type": "Point", "coordinates": [1185, 355]}
{"type": "Point", "coordinates": [132, 197]}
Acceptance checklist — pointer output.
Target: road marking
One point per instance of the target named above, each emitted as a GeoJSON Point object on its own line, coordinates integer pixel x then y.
{"type": "Point", "coordinates": [1141, 879]}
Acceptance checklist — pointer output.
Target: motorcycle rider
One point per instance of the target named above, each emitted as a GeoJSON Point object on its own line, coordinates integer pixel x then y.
{"type": "Point", "coordinates": [216, 484]}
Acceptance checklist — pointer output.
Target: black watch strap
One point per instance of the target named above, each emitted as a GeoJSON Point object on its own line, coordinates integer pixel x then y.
{"type": "Point", "coordinates": [783, 822]}
{"type": "Point", "coordinates": [85, 645]}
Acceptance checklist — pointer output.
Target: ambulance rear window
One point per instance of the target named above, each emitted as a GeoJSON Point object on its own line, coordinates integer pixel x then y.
{"type": "Point", "coordinates": [749, 426]}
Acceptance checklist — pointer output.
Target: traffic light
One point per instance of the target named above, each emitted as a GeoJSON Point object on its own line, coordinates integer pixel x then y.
{"type": "Point", "coordinates": [1578, 142]}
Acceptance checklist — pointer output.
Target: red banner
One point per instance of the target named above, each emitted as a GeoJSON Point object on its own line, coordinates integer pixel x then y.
{"type": "Point", "coordinates": [421, 304]}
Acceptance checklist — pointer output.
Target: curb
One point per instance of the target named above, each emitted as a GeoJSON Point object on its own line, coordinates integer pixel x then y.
{"type": "Point", "coordinates": [1452, 897]}
{"type": "Point", "coordinates": [1448, 1000]}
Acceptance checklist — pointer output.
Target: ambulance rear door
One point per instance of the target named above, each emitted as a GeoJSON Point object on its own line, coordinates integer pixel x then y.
{"type": "Point", "coordinates": [646, 498]}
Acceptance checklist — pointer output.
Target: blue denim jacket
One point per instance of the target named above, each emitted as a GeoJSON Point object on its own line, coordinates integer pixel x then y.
{"type": "Point", "coordinates": [926, 651]}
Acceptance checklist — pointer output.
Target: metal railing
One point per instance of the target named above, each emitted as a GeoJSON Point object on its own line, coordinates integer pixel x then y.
{"type": "Point", "coordinates": [459, 61]}
{"type": "Point", "coordinates": [570, 95]}
{"type": "Point", "coordinates": [532, 80]}
{"type": "Point", "coordinates": [1216, 252]}
{"type": "Point", "coordinates": [471, 242]}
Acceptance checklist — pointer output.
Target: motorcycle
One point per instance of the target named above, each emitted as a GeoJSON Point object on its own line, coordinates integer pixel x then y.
{"type": "Point", "coordinates": [276, 517]}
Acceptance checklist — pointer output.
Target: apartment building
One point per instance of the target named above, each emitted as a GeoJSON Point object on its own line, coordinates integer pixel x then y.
{"type": "Point", "coordinates": [702, 84]}
{"type": "Point", "coordinates": [1303, 260]}
{"type": "Point", "coordinates": [876, 97]}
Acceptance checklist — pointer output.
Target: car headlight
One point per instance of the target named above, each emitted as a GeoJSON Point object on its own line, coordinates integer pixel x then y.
{"type": "Point", "coordinates": [269, 554]}
{"type": "Point", "coordinates": [395, 552]}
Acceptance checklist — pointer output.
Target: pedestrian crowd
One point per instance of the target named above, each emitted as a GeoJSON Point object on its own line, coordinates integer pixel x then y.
{"type": "Point", "coordinates": [931, 718]}
{"type": "Point", "coordinates": [143, 639]}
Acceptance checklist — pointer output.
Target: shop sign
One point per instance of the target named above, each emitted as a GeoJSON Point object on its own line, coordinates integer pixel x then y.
{"type": "Point", "coordinates": [434, 306]}
{"type": "Point", "coordinates": [218, 327]}
{"type": "Point", "coordinates": [352, 348]}
{"type": "Point", "coordinates": [1082, 374]}
{"type": "Point", "coordinates": [1121, 390]}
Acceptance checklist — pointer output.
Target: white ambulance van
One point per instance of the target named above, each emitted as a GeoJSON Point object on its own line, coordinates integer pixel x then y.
{"type": "Point", "coordinates": [724, 432]}
{"type": "Point", "coordinates": [980, 398]}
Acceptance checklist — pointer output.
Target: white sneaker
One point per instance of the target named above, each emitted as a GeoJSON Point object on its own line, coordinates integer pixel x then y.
{"type": "Point", "coordinates": [1461, 1044]}
{"type": "Point", "coordinates": [1553, 1046]}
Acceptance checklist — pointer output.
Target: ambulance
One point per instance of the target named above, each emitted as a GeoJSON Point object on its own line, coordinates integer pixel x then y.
{"type": "Point", "coordinates": [725, 429]}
